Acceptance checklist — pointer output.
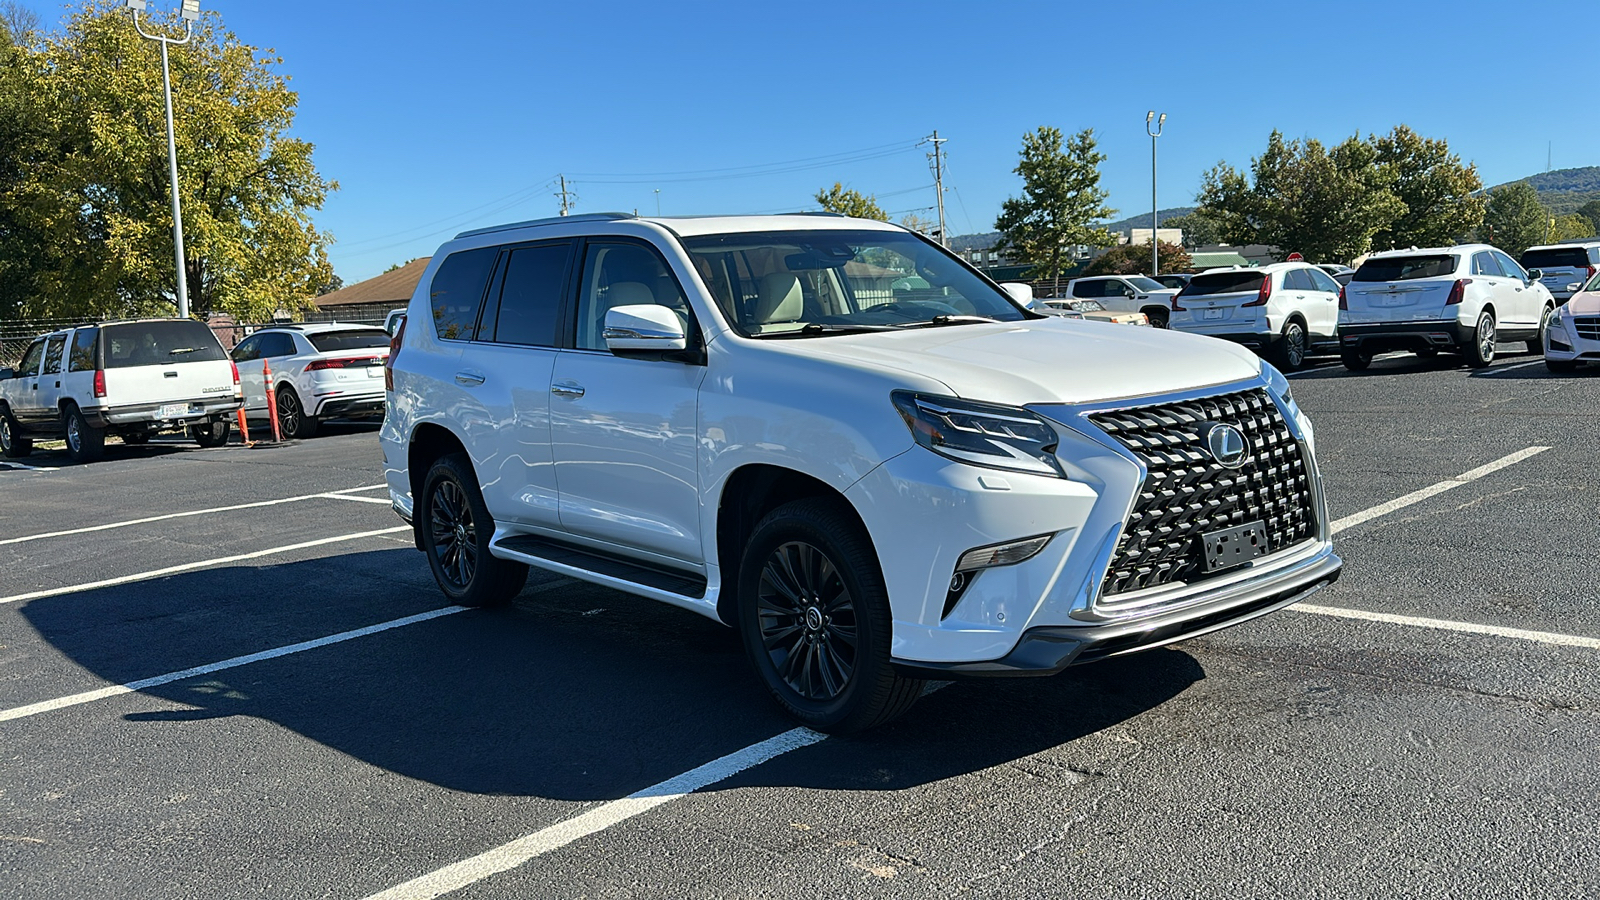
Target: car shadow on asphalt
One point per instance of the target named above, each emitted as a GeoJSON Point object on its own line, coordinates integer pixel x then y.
{"type": "Point", "coordinates": [1392, 364]}
{"type": "Point", "coordinates": [574, 692]}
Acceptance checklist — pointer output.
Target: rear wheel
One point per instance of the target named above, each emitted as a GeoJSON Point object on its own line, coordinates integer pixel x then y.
{"type": "Point", "coordinates": [1158, 317]}
{"type": "Point", "coordinates": [293, 420]}
{"type": "Point", "coordinates": [85, 443]}
{"type": "Point", "coordinates": [456, 529]}
{"type": "Point", "coordinates": [814, 616]}
{"type": "Point", "coordinates": [1536, 345]}
{"type": "Point", "coordinates": [1291, 350]}
{"type": "Point", "coordinates": [1356, 360]}
{"type": "Point", "coordinates": [12, 444]}
{"type": "Point", "coordinates": [211, 434]}
{"type": "Point", "coordinates": [1481, 353]}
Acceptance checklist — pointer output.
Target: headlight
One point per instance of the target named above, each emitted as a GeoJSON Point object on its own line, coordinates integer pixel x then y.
{"type": "Point", "coordinates": [1000, 437]}
{"type": "Point", "coordinates": [1558, 321]}
{"type": "Point", "coordinates": [1277, 383]}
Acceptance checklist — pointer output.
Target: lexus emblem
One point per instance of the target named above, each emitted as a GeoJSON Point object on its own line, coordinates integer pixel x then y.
{"type": "Point", "coordinates": [1228, 445]}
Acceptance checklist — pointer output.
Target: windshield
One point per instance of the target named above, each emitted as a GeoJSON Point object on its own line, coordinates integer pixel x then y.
{"type": "Point", "coordinates": [1146, 284]}
{"type": "Point", "coordinates": [805, 283]}
{"type": "Point", "coordinates": [340, 341]}
{"type": "Point", "coordinates": [1405, 268]}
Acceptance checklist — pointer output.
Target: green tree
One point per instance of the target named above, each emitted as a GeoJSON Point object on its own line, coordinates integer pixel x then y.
{"type": "Point", "coordinates": [1569, 227]}
{"type": "Point", "coordinates": [848, 202]}
{"type": "Point", "coordinates": [1134, 259]}
{"type": "Point", "coordinates": [1591, 211]}
{"type": "Point", "coordinates": [1301, 196]}
{"type": "Point", "coordinates": [1438, 192]}
{"type": "Point", "coordinates": [1514, 219]}
{"type": "Point", "coordinates": [1199, 228]}
{"type": "Point", "coordinates": [1061, 198]}
{"type": "Point", "coordinates": [99, 212]}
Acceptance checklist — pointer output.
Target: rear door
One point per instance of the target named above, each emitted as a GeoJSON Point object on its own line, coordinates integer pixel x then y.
{"type": "Point", "coordinates": [163, 362]}
{"type": "Point", "coordinates": [1401, 289]}
{"type": "Point", "coordinates": [247, 356]}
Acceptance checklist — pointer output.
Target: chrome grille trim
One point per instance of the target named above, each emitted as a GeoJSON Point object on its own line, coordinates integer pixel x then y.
{"type": "Point", "coordinates": [1587, 327]}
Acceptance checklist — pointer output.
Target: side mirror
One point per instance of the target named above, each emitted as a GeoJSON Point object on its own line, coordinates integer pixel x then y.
{"type": "Point", "coordinates": [1535, 274]}
{"type": "Point", "coordinates": [1574, 287]}
{"type": "Point", "coordinates": [646, 328]}
{"type": "Point", "coordinates": [1022, 293]}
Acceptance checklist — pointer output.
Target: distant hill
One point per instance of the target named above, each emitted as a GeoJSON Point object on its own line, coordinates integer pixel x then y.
{"type": "Point", "coordinates": [986, 239]}
{"type": "Point", "coordinates": [1564, 190]}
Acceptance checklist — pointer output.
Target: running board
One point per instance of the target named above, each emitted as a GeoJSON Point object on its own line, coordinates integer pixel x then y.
{"type": "Point", "coordinates": [624, 574]}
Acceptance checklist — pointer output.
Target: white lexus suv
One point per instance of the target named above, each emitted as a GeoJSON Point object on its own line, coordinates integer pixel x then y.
{"type": "Point", "coordinates": [876, 478]}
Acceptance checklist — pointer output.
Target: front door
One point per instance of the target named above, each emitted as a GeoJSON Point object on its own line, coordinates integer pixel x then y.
{"type": "Point", "coordinates": [623, 431]}
{"type": "Point", "coordinates": [48, 397]}
{"type": "Point", "coordinates": [23, 392]}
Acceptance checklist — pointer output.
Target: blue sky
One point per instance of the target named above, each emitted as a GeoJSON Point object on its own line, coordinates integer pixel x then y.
{"type": "Point", "coordinates": [436, 117]}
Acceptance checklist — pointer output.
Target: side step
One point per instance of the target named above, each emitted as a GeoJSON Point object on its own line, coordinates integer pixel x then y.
{"type": "Point", "coordinates": [564, 556]}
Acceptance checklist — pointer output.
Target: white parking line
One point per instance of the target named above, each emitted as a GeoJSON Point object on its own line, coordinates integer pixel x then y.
{"type": "Point", "coordinates": [382, 500]}
{"type": "Point", "coordinates": [337, 495]}
{"type": "Point", "coordinates": [510, 855]}
{"type": "Point", "coordinates": [1432, 490]}
{"type": "Point", "coordinates": [1521, 634]}
{"type": "Point", "coordinates": [33, 709]}
{"type": "Point", "coordinates": [8, 464]}
{"type": "Point", "coordinates": [1523, 365]}
{"type": "Point", "coordinates": [200, 564]}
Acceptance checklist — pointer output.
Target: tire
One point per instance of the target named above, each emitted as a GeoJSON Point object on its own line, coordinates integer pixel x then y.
{"type": "Point", "coordinates": [1355, 360]}
{"type": "Point", "coordinates": [1561, 366]}
{"type": "Point", "coordinates": [814, 618]}
{"type": "Point", "coordinates": [1290, 352]}
{"type": "Point", "coordinates": [1428, 352]}
{"type": "Point", "coordinates": [456, 529]}
{"type": "Point", "coordinates": [85, 443]}
{"type": "Point", "coordinates": [1536, 345]}
{"type": "Point", "coordinates": [136, 438]}
{"type": "Point", "coordinates": [212, 434]}
{"type": "Point", "coordinates": [294, 423]}
{"type": "Point", "coordinates": [12, 444]}
{"type": "Point", "coordinates": [1481, 352]}
{"type": "Point", "coordinates": [1159, 318]}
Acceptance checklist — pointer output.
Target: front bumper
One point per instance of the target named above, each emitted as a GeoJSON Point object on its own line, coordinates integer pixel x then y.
{"type": "Point", "coordinates": [1564, 344]}
{"type": "Point", "coordinates": [1378, 337]}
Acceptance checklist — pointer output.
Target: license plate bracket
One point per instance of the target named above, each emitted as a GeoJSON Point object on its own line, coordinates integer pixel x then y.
{"type": "Point", "coordinates": [175, 410]}
{"type": "Point", "coordinates": [1230, 547]}
{"type": "Point", "coordinates": [1213, 314]}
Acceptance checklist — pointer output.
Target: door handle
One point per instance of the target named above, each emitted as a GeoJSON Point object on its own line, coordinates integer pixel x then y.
{"type": "Point", "coordinates": [567, 389]}
{"type": "Point", "coordinates": [470, 379]}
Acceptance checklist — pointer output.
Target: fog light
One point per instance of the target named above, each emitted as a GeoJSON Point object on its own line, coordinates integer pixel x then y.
{"type": "Point", "coordinates": [1001, 554]}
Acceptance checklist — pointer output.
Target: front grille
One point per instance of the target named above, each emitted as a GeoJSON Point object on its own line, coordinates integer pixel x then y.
{"type": "Point", "coordinates": [1188, 493]}
{"type": "Point", "coordinates": [1588, 327]}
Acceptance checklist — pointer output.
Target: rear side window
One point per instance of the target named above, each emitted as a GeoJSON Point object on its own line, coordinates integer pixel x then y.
{"type": "Point", "coordinates": [530, 301]}
{"type": "Point", "coordinates": [1224, 283]}
{"type": "Point", "coordinates": [1556, 257]}
{"type": "Point", "coordinates": [52, 355]}
{"type": "Point", "coordinates": [340, 341]}
{"type": "Point", "coordinates": [1297, 280]}
{"type": "Point", "coordinates": [81, 358]}
{"type": "Point", "coordinates": [1405, 268]}
{"type": "Point", "coordinates": [1483, 263]}
{"type": "Point", "coordinates": [1089, 289]}
{"type": "Point", "coordinates": [456, 292]}
{"type": "Point", "coordinates": [159, 343]}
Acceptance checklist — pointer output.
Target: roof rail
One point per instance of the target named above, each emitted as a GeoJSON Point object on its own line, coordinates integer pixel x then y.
{"type": "Point", "coordinates": [552, 220]}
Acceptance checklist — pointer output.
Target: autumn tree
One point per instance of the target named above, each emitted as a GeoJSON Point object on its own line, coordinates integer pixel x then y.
{"type": "Point", "coordinates": [849, 202]}
{"type": "Point", "coordinates": [1061, 200]}
{"type": "Point", "coordinates": [1514, 219]}
{"type": "Point", "coordinates": [1437, 193]}
{"type": "Point", "coordinates": [84, 184]}
{"type": "Point", "coordinates": [1134, 259]}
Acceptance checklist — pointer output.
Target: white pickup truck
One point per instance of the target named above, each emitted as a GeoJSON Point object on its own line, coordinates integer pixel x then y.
{"type": "Point", "coordinates": [132, 379]}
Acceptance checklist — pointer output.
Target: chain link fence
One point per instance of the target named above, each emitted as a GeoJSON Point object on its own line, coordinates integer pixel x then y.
{"type": "Point", "coordinates": [17, 334]}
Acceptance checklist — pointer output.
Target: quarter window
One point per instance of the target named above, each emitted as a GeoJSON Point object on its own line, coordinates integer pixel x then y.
{"type": "Point", "coordinates": [530, 300]}
{"type": "Point", "coordinates": [81, 359]}
{"type": "Point", "coordinates": [52, 355]}
{"type": "Point", "coordinates": [622, 275]}
{"type": "Point", "coordinates": [457, 290]}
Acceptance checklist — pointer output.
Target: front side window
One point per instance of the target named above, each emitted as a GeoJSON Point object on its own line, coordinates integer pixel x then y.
{"type": "Point", "coordinates": [248, 349]}
{"type": "Point", "coordinates": [1510, 266]}
{"type": "Point", "coordinates": [52, 355]}
{"type": "Point", "coordinates": [622, 275]}
{"type": "Point", "coordinates": [30, 359]}
{"type": "Point", "coordinates": [1147, 285]}
{"type": "Point", "coordinates": [81, 358]}
{"type": "Point", "coordinates": [806, 283]}
{"type": "Point", "coordinates": [457, 291]}
{"type": "Point", "coordinates": [1320, 281]}
{"type": "Point", "coordinates": [531, 297]}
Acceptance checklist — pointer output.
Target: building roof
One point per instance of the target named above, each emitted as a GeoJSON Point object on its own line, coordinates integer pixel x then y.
{"type": "Point", "coordinates": [1216, 260]}
{"type": "Point", "coordinates": [392, 288]}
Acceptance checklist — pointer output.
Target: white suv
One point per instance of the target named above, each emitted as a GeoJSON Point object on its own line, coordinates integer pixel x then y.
{"type": "Point", "coordinates": [876, 478]}
{"type": "Point", "coordinates": [1285, 311]}
{"type": "Point", "coordinates": [133, 379]}
{"type": "Point", "coordinates": [1565, 267]}
{"type": "Point", "coordinates": [1463, 299]}
{"type": "Point", "coordinates": [319, 371]}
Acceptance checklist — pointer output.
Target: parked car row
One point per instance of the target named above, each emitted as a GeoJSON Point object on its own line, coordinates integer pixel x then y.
{"type": "Point", "coordinates": [138, 378]}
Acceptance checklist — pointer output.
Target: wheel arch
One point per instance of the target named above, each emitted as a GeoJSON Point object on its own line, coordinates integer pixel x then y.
{"type": "Point", "coordinates": [429, 442]}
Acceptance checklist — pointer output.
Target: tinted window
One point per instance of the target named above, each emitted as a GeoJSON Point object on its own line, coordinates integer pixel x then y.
{"type": "Point", "coordinates": [81, 359]}
{"type": "Point", "coordinates": [30, 360]}
{"type": "Point", "coordinates": [52, 355]}
{"type": "Point", "coordinates": [1405, 268]}
{"type": "Point", "coordinates": [457, 290]}
{"type": "Point", "coordinates": [530, 300]}
{"type": "Point", "coordinates": [248, 349]}
{"type": "Point", "coordinates": [1224, 283]}
{"type": "Point", "coordinates": [1510, 266]}
{"type": "Point", "coordinates": [1145, 284]}
{"type": "Point", "coordinates": [159, 343]}
{"type": "Point", "coordinates": [1297, 280]}
{"type": "Point", "coordinates": [1484, 263]}
{"type": "Point", "coordinates": [276, 343]}
{"type": "Point", "coordinates": [354, 339]}
{"type": "Point", "coordinates": [1567, 257]}
{"type": "Point", "coordinates": [622, 275]}
{"type": "Point", "coordinates": [1088, 288]}
{"type": "Point", "coordinates": [1320, 281]}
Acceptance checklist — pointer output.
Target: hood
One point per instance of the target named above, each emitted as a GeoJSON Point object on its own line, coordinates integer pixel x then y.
{"type": "Point", "coordinates": [1051, 360]}
{"type": "Point", "coordinates": [1584, 303]}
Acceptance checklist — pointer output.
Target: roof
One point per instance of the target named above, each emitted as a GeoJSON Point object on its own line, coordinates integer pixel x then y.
{"type": "Point", "coordinates": [1568, 244]}
{"type": "Point", "coordinates": [1433, 251]}
{"type": "Point", "coordinates": [321, 327]}
{"type": "Point", "coordinates": [392, 288]}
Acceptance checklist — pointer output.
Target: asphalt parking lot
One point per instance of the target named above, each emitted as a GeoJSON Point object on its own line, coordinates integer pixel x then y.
{"type": "Point", "coordinates": [1427, 727]}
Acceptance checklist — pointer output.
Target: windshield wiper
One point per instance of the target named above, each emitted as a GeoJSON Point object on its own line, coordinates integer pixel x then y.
{"type": "Point", "coordinates": [183, 350]}
{"type": "Point", "coordinates": [938, 321]}
{"type": "Point", "coordinates": [812, 329]}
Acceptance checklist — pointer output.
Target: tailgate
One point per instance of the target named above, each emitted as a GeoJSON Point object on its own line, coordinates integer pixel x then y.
{"type": "Point", "coordinates": [162, 361]}
{"type": "Point", "coordinates": [1399, 301]}
{"type": "Point", "coordinates": [139, 385]}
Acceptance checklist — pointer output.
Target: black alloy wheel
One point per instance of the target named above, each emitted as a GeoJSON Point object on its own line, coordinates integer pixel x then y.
{"type": "Point", "coordinates": [455, 535]}
{"type": "Point", "coordinates": [293, 422]}
{"type": "Point", "coordinates": [456, 527]}
{"type": "Point", "coordinates": [808, 621]}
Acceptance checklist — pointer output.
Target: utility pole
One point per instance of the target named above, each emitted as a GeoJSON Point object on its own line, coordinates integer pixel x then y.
{"type": "Point", "coordinates": [190, 11]}
{"type": "Point", "coordinates": [566, 196]}
{"type": "Point", "coordinates": [1155, 252]}
{"type": "Point", "coordinates": [937, 156]}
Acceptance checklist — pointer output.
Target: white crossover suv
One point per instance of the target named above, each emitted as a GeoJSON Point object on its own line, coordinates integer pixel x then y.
{"type": "Point", "coordinates": [1572, 336]}
{"type": "Point", "coordinates": [1285, 311]}
{"type": "Point", "coordinates": [1463, 299]}
{"type": "Point", "coordinates": [319, 371]}
{"type": "Point", "coordinates": [840, 439]}
{"type": "Point", "coordinates": [1565, 267]}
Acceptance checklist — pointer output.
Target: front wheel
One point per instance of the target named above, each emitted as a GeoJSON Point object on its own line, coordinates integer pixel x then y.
{"type": "Point", "coordinates": [1536, 345]}
{"type": "Point", "coordinates": [814, 617]}
{"type": "Point", "coordinates": [211, 434]}
{"type": "Point", "coordinates": [1481, 353]}
{"type": "Point", "coordinates": [456, 530]}
{"type": "Point", "coordinates": [85, 443]}
{"type": "Point", "coordinates": [12, 444]}
{"type": "Point", "coordinates": [1291, 349]}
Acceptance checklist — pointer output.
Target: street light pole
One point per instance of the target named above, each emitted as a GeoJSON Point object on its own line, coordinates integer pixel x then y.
{"type": "Point", "coordinates": [190, 12]}
{"type": "Point", "coordinates": [1155, 252]}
